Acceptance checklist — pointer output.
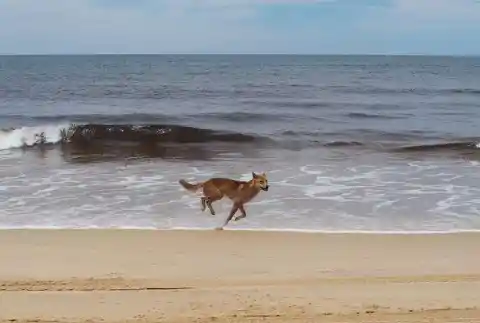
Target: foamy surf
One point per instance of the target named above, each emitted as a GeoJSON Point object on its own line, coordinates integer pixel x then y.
{"type": "Point", "coordinates": [30, 136]}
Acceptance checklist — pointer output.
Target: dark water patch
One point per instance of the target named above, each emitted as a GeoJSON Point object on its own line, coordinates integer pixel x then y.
{"type": "Point", "coordinates": [299, 104]}
{"type": "Point", "coordinates": [343, 144]}
{"type": "Point", "coordinates": [463, 91]}
{"type": "Point", "coordinates": [456, 113]}
{"type": "Point", "coordinates": [292, 133]}
{"type": "Point", "coordinates": [387, 107]}
{"type": "Point", "coordinates": [399, 90]}
{"type": "Point", "coordinates": [363, 115]}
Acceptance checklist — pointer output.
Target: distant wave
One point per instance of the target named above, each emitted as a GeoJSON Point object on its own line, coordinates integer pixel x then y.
{"type": "Point", "coordinates": [128, 118]}
{"type": "Point", "coordinates": [380, 141]}
{"type": "Point", "coordinates": [362, 115]}
{"type": "Point", "coordinates": [288, 103]}
{"type": "Point", "coordinates": [364, 135]}
{"type": "Point", "coordinates": [154, 118]}
{"type": "Point", "coordinates": [464, 91]}
{"type": "Point", "coordinates": [245, 116]}
{"type": "Point", "coordinates": [418, 90]}
{"type": "Point", "coordinates": [467, 146]}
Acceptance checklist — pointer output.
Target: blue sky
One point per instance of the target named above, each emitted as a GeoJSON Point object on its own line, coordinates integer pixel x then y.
{"type": "Point", "coordinates": [240, 26]}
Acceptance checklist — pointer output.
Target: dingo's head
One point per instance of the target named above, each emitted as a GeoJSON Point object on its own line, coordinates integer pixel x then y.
{"type": "Point", "coordinates": [260, 181]}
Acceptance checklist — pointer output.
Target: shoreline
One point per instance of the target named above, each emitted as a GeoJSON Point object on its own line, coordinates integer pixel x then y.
{"type": "Point", "coordinates": [254, 230]}
{"type": "Point", "coordinates": [79, 276]}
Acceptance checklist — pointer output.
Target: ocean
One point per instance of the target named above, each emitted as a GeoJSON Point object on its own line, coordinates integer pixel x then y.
{"type": "Point", "coordinates": [349, 143]}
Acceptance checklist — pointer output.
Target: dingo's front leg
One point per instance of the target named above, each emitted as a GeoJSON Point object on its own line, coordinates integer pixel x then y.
{"type": "Point", "coordinates": [230, 216]}
{"type": "Point", "coordinates": [241, 216]}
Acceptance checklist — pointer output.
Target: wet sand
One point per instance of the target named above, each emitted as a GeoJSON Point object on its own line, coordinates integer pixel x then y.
{"type": "Point", "coordinates": [237, 276]}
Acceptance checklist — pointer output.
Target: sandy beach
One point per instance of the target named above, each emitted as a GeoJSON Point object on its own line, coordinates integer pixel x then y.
{"type": "Point", "coordinates": [237, 276]}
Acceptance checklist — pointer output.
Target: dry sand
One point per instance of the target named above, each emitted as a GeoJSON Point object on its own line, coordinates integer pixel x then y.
{"type": "Point", "coordinates": [233, 276]}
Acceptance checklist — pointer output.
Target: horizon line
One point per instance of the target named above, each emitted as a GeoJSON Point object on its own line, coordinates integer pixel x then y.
{"type": "Point", "coordinates": [243, 54]}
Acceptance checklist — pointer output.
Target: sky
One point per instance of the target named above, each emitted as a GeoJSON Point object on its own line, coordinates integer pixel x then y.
{"type": "Point", "coordinates": [436, 27]}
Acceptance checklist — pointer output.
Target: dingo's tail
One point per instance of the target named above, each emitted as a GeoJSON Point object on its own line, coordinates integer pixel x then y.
{"type": "Point", "coordinates": [190, 187]}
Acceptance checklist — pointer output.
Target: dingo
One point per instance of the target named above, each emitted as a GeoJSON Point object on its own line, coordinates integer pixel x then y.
{"type": "Point", "coordinates": [240, 192]}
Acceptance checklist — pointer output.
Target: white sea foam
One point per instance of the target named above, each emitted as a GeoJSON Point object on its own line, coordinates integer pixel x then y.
{"type": "Point", "coordinates": [393, 198]}
{"type": "Point", "coordinates": [29, 136]}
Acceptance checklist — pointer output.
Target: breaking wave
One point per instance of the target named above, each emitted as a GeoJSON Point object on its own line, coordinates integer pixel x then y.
{"type": "Point", "coordinates": [109, 141]}
{"type": "Point", "coordinates": [89, 133]}
{"type": "Point", "coordinates": [31, 136]}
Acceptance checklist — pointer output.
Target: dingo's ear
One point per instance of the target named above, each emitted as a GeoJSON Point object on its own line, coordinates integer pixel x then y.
{"type": "Point", "coordinates": [254, 175]}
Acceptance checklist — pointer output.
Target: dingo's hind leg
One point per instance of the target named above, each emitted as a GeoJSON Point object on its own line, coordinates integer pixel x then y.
{"type": "Point", "coordinates": [212, 194]}
{"type": "Point", "coordinates": [209, 202]}
{"type": "Point", "coordinates": [203, 201]}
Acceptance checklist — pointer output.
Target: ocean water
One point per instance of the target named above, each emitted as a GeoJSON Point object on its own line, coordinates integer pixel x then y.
{"type": "Point", "coordinates": [349, 143]}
